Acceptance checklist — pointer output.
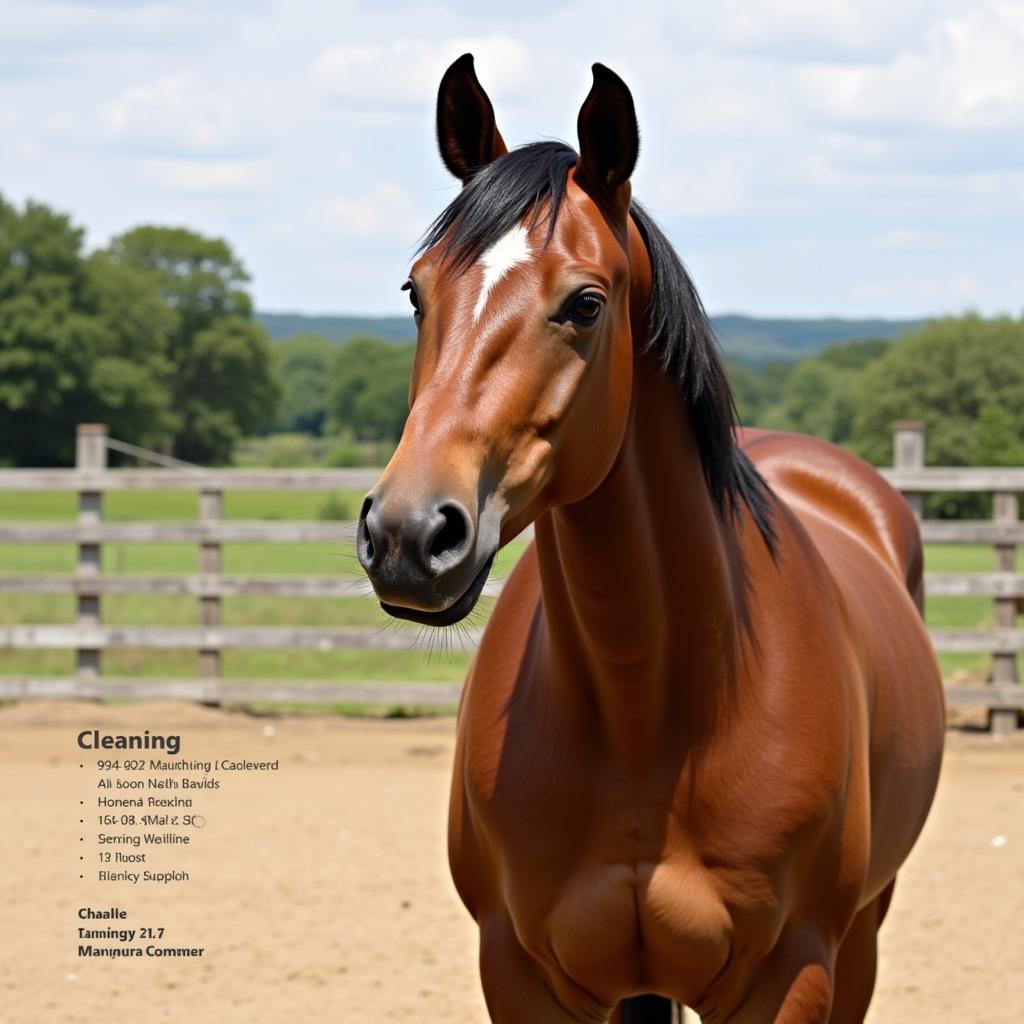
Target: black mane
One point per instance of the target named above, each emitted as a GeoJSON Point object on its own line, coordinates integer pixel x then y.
{"type": "Point", "coordinates": [530, 182]}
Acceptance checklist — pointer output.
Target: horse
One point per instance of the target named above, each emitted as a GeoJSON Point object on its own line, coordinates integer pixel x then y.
{"type": "Point", "coordinates": [703, 727]}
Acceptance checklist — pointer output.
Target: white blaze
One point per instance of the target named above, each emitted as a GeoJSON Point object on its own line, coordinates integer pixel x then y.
{"type": "Point", "coordinates": [508, 251]}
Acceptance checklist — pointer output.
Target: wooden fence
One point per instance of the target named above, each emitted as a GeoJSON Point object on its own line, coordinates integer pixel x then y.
{"type": "Point", "coordinates": [88, 636]}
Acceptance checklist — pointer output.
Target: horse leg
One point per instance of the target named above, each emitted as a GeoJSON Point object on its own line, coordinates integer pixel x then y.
{"type": "Point", "coordinates": [857, 962]}
{"type": "Point", "coordinates": [794, 985]}
{"type": "Point", "coordinates": [515, 990]}
{"type": "Point", "coordinates": [804, 983]}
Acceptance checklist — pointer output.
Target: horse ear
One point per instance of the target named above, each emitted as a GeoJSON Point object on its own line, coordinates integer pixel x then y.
{"type": "Point", "coordinates": [466, 132]}
{"type": "Point", "coordinates": [608, 134]}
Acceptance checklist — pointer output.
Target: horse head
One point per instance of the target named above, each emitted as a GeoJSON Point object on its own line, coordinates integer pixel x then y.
{"type": "Point", "coordinates": [522, 297]}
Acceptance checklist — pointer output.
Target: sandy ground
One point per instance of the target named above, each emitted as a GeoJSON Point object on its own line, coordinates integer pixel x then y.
{"type": "Point", "coordinates": [321, 894]}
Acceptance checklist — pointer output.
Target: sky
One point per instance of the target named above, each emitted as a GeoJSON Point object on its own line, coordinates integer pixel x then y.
{"type": "Point", "coordinates": [806, 157]}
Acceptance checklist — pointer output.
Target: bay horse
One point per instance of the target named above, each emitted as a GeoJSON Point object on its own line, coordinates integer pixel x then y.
{"type": "Point", "coordinates": [704, 724]}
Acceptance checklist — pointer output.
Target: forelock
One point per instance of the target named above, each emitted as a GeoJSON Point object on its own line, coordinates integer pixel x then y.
{"type": "Point", "coordinates": [525, 185]}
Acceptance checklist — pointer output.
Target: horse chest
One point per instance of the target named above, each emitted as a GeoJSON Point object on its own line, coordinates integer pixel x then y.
{"type": "Point", "coordinates": [618, 928]}
{"type": "Point", "coordinates": [589, 891]}
{"type": "Point", "coordinates": [601, 870]}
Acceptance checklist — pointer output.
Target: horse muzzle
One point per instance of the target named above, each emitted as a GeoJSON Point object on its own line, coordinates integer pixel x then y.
{"type": "Point", "coordinates": [422, 557]}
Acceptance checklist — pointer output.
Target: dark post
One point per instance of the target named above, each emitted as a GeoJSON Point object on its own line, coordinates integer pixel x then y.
{"type": "Point", "coordinates": [90, 457]}
{"type": "Point", "coordinates": [210, 513]}
{"type": "Point", "coordinates": [1005, 512]}
{"type": "Point", "coordinates": [908, 453]}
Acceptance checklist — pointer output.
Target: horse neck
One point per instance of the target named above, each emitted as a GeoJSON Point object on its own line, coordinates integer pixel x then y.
{"type": "Point", "coordinates": [639, 577]}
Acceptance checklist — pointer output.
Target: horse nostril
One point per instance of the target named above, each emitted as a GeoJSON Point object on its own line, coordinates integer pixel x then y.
{"type": "Point", "coordinates": [364, 539]}
{"type": "Point", "coordinates": [453, 533]}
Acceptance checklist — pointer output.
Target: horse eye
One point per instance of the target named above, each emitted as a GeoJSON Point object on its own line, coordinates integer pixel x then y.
{"type": "Point", "coordinates": [585, 308]}
{"type": "Point", "coordinates": [414, 299]}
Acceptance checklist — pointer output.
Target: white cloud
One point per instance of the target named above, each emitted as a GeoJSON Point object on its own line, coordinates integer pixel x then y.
{"type": "Point", "coordinates": [177, 111]}
{"type": "Point", "coordinates": [813, 29]}
{"type": "Point", "coordinates": [712, 189]}
{"type": "Point", "coordinates": [56, 26]}
{"type": "Point", "coordinates": [403, 70]}
{"type": "Point", "coordinates": [388, 208]}
{"type": "Point", "coordinates": [968, 72]}
{"type": "Point", "coordinates": [723, 108]}
{"type": "Point", "coordinates": [793, 148]}
{"type": "Point", "coordinates": [203, 175]}
{"type": "Point", "coordinates": [927, 291]}
{"type": "Point", "coordinates": [911, 238]}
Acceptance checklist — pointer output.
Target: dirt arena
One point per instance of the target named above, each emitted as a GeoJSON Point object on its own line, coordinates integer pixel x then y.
{"type": "Point", "coordinates": [320, 893]}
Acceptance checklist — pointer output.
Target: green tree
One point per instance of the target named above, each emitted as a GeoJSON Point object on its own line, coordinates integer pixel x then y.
{"type": "Point", "coordinates": [130, 378]}
{"type": "Point", "coordinates": [1000, 436]}
{"type": "Point", "coordinates": [856, 354]}
{"type": "Point", "coordinates": [230, 367]}
{"type": "Point", "coordinates": [222, 384]}
{"type": "Point", "coordinates": [819, 396]}
{"type": "Point", "coordinates": [815, 401]}
{"type": "Point", "coordinates": [78, 341]}
{"type": "Point", "coordinates": [964, 379]}
{"type": "Point", "coordinates": [303, 365]}
{"type": "Point", "coordinates": [757, 388]}
{"type": "Point", "coordinates": [369, 388]}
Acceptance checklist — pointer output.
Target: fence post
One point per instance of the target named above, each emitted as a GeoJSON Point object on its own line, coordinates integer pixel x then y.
{"type": "Point", "coordinates": [211, 511]}
{"type": "Point", "coordinates": [90, 456]}
{"type": "Point", "coordinates": [908, 453]}
{"type": "Point", "coordinates": [1005, 512]}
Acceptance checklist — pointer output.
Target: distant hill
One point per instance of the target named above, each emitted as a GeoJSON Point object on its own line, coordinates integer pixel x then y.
{"type": "Point", "coordinates": [748, 339]}
{"type": "Point", "coordinates": [338, 328]}
{"type": "Point", "coordinates": [751, 339]}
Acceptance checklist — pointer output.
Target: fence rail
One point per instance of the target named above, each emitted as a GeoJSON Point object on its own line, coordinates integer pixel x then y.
{"type": "Point", "coordinates": [212, 638]}
{"type": "Point", "coordinates": [202, 532]}
{"type": "Point", "coordinates": [969, 479]}
{"type": "Point", "coordinates": [317, 638]}
{"type": "Point", "coordinates": [964, 531]}
{"type": "Point", "coordinates": [102, 480]}
{"type": "Point", "coordinates": [90, 637]}
{"type": "Point", "coordinates": [201, 586]}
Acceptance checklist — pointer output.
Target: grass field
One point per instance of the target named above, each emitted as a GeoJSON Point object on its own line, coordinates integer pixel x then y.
{"type": "Point", "coordinates": [415, 664]}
